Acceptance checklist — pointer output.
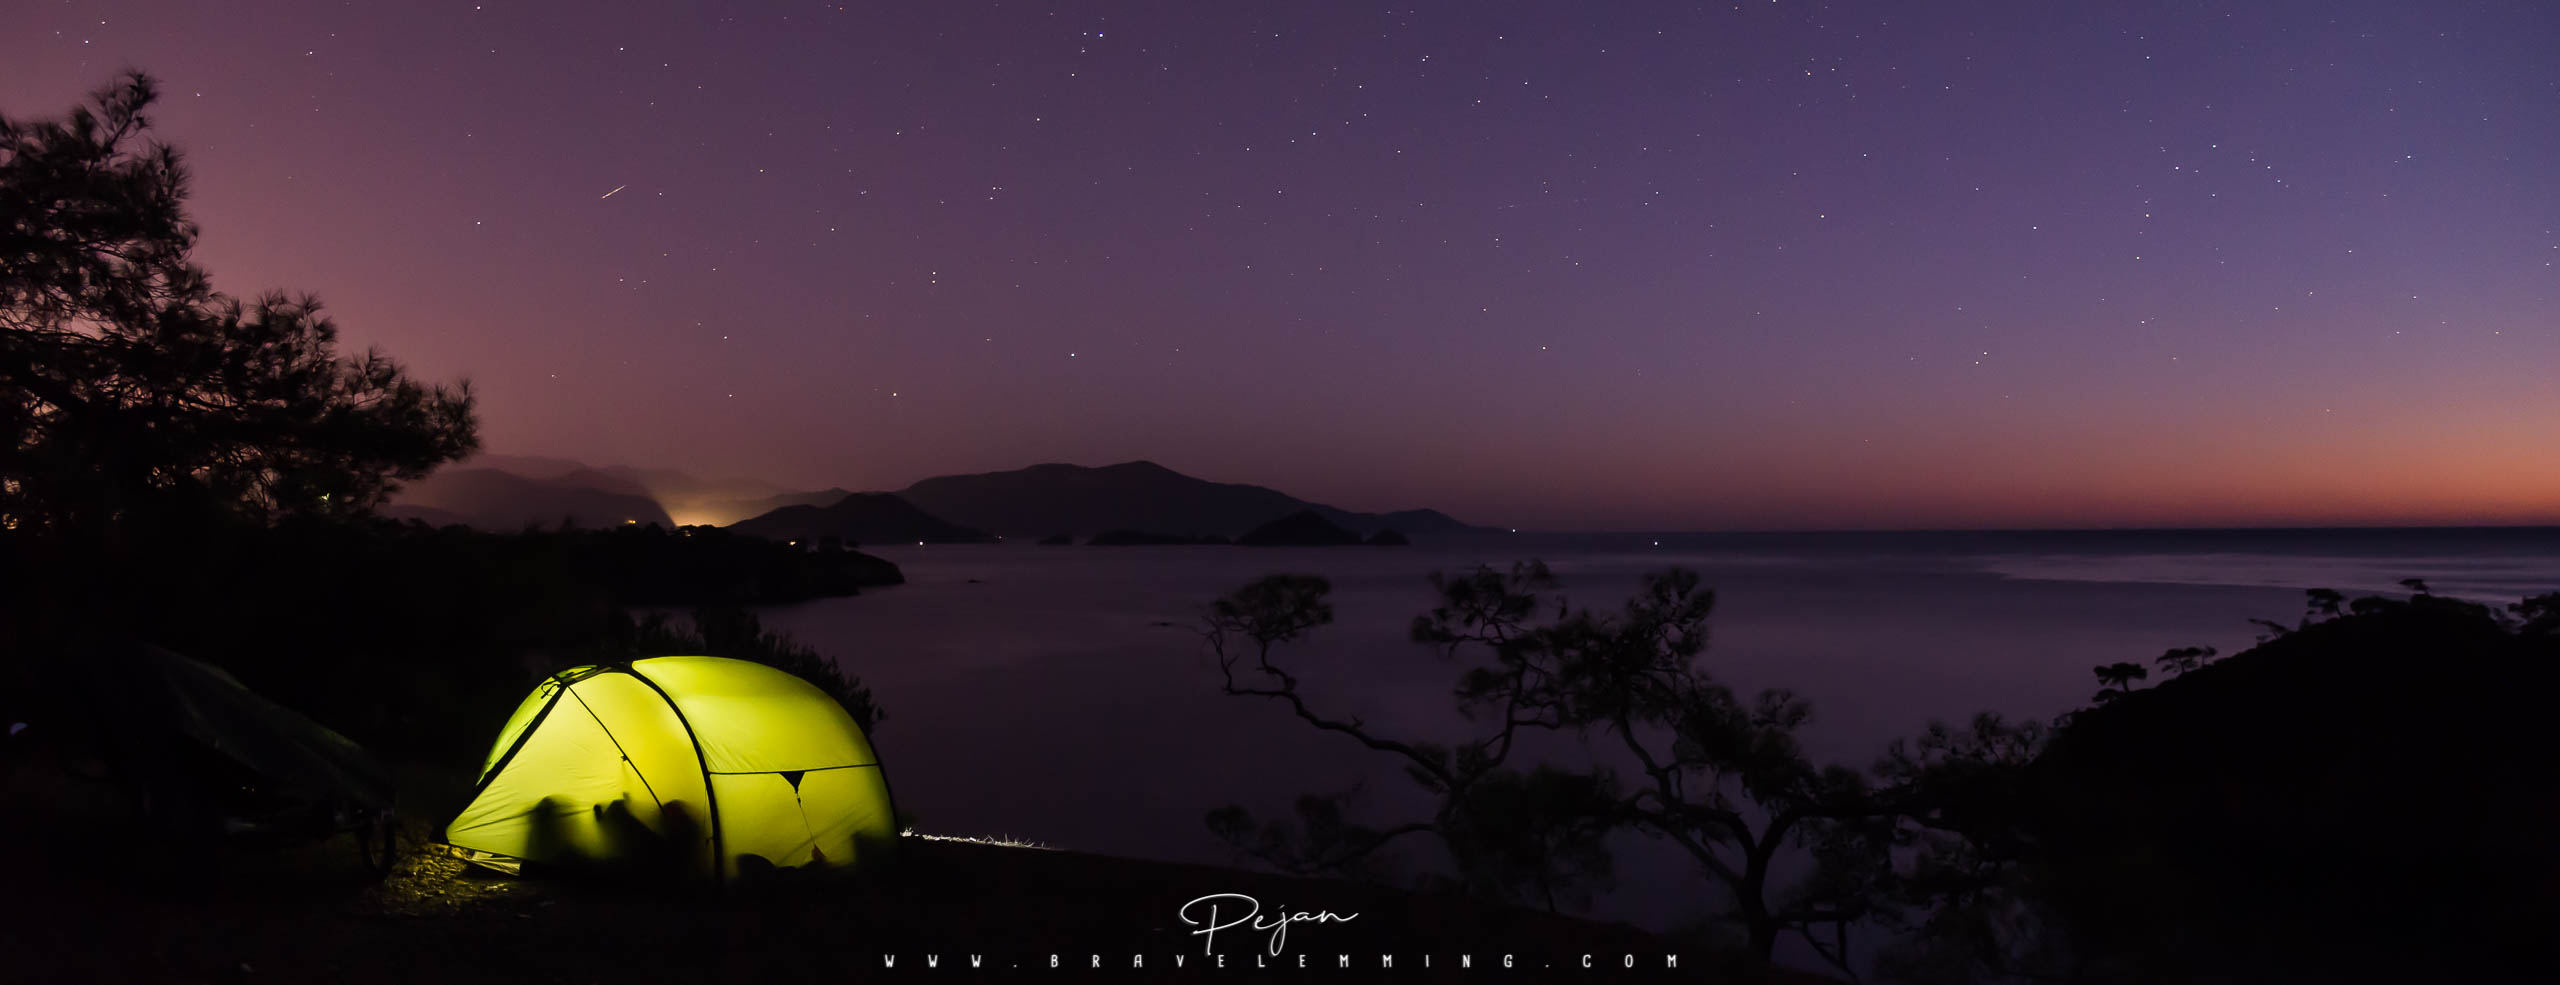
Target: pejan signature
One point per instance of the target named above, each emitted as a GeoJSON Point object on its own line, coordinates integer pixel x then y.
{"type": "Point", "coordinates": [1248, 912]}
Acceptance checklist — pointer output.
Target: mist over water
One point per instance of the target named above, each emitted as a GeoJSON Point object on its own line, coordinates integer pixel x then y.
{"type": "Point", "coordinates": [1032, 692]}
{"type": "Point", "coordinates": [2487, 580]}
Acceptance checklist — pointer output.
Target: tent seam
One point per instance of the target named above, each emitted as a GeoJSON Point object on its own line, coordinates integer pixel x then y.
{"type": "Point", "coordinates": [521, 738]}
{"type": "Point", "coordinates": [807, 769]}
{"type": "Point", "coordinates": [625, 753]}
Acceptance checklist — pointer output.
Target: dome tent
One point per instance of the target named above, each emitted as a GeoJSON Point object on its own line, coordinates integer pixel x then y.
{"type": "Point", "coordinates": [703, 767]}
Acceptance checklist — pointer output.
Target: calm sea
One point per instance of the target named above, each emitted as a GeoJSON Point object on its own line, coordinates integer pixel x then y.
{"type": "Point", "coordinates": [1032, 692]}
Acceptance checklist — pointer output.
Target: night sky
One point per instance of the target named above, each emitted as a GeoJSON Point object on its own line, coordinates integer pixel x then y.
{"type": "Point", "coordinates": [1574, 265]}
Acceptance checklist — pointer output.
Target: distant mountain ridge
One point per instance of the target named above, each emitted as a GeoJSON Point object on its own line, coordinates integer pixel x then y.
{"type": "Point", "coordinates": [729, 512]}
{"type": "Point", "coordinates": [1139, 500]}
{"type": "Point", "coordinates": [682, 497]}
{"type": "Point", "coordinates": [490, 499]}
{"type": "Point", "coordinates": [1141, 496]}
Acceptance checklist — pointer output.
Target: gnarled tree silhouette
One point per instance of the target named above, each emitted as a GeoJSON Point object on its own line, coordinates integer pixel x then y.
{"type": "Point", "coordinates": [1721, 777]}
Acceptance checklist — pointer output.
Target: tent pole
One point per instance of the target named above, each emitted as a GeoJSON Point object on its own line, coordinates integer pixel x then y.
{"type": "Point", "coordinates": [710, 797]}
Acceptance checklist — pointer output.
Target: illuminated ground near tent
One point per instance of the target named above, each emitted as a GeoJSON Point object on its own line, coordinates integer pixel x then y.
{"type": "Point", "coordinates": [1000, 841]}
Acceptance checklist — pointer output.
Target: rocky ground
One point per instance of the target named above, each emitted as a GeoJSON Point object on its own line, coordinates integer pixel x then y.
{"type": "Point", "coordinates": [91, 906]}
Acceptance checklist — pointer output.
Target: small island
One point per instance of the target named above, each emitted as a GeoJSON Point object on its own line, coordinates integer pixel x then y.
{"type": "Point", "coordinates": [1305, 528]}
{"type": "Point", "coordinates": [1146, 538]}
{"type": "Point", "coordinates": [861, 518]}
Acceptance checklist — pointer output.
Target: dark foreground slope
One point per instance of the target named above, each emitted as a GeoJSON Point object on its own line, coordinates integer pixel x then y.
{"type": "Point", "coordinates": [2368, 795]}
{"type": "Point", "coordinates": [151, 914]}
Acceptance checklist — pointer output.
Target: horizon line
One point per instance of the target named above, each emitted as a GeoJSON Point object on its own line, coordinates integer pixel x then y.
{"type": "Point", "coordinates": [2237, 528]}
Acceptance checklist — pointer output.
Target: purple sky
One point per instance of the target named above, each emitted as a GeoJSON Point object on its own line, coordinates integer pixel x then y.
{"type": "Point", "coordinates": [1614, 265]}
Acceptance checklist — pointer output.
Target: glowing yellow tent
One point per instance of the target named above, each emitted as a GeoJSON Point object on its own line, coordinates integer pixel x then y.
{"type": "Point", "coordinates": [694, 766]}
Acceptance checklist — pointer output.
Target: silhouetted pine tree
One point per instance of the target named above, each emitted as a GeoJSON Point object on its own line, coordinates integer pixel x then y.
{"type": "Point", "coordinates": [133, 396]}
